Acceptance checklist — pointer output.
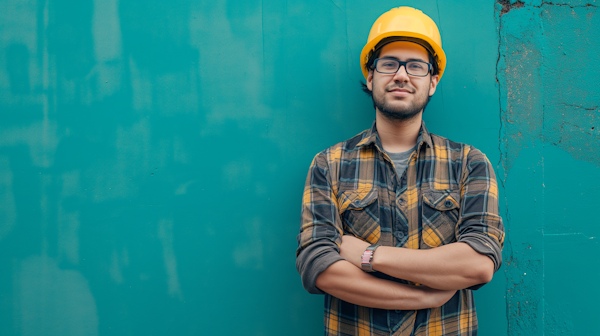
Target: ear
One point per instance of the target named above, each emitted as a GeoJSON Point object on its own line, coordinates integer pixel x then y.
{"type": "Point", "coordinates": [433, 84]}
{"type": "Point", "coordinates": [370, 80]}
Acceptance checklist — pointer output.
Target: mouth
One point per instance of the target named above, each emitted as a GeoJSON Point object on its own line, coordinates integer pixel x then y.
{"type": "Point", "coordinates": [400, 90]}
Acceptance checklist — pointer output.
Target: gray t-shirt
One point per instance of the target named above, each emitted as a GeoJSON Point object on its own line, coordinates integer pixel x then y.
{"type": "Point", "coordinates": [401, 160]}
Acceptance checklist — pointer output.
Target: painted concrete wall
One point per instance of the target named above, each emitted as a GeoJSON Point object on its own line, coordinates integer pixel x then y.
{"type": "Point", "coordinates": [550, 163]}
{"type": "Point", "coordinates": [153, 155]}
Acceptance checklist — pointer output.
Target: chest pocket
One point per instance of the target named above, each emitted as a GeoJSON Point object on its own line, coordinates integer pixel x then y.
{"type": "Point", "coordinates": [359, 211]}
{"type": "Point", "coordinates": [439, 217]}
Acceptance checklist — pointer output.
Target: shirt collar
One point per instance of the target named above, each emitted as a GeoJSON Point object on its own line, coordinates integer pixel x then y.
{"type": "Point", "coordinates": [371, 137]}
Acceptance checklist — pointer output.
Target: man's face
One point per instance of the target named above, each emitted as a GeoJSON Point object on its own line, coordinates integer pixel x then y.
{"type": "Point", "coordinates": [401, 96]}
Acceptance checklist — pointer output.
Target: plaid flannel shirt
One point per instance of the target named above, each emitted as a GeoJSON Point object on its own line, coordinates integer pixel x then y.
{"type": "Point", "coordinates": [447, 194]}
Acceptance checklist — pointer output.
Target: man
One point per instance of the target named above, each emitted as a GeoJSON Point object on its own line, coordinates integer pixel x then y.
{"type": "Point", "coordinates": [400, 225]}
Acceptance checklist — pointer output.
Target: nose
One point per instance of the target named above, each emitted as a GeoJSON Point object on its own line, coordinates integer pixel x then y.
{"type": "Point", "coordinates": [401, 75]}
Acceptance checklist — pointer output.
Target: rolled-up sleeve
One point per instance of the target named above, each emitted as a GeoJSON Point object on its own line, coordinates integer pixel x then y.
{"type": "Point", "coordinates": [480, 224]}
{"type": "Point", "coordinates": [320, 228]}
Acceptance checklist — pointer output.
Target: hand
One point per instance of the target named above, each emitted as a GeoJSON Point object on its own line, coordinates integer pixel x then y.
{"type": "Point", "coordinates": [352, 249]}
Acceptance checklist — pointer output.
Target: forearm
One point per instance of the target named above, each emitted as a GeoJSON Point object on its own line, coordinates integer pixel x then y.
{"type": "Point", "coordinates": [449, 267]}
{"type": "Point", "coordinates": [346, 282]}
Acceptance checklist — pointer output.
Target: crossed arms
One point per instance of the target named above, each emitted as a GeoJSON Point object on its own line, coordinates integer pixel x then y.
{"type": "Point", "coordinates": [441, 270]}
{"type": "Point", "coordinates": [333, 265]}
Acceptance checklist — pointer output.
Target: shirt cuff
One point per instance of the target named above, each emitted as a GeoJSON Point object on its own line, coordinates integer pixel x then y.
{"type": "Point", "coordinates": [312, 261]}
{"type": "Point", "coordinates": [484, 245]}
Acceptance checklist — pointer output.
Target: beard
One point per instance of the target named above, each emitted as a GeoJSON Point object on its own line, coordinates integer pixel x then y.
{"type": "Point", "coordinates": [401, 113]}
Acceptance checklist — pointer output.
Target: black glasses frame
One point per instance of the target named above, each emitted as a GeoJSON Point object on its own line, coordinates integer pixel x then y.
{"type": "Point", "coordinates": [400, 64]}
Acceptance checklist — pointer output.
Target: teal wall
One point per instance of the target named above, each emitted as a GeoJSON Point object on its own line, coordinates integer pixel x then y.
{"type": "Point", "coordinates": [550, 113]}
{"type": "Point", "coordinates": [153, 155]}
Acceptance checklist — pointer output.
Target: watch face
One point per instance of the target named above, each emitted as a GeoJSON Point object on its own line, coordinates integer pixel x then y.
{"type": "Point", "coordinates": [366, 261]}
{"type": "Point", "coordinates": [366, 257]}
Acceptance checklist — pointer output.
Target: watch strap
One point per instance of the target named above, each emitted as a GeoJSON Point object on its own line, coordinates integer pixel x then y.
{"type": "Point", "coordinates": [367, 257]}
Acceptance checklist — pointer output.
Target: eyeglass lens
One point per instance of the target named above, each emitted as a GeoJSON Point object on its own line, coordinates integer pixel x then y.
{"type": "Point", "coordinates": [390, 66]}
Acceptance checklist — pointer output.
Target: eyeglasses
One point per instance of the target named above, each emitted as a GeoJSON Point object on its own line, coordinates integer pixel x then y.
{"type": "Point", "coordinates": [387, 65]}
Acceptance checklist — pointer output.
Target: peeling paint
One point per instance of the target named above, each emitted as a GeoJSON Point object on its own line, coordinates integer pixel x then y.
{"type": "Point", "coordinates": [507, 6]}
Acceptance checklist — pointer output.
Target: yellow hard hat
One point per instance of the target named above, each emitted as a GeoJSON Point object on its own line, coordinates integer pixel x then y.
{"type": "Point", "coordinates": [410, 24]}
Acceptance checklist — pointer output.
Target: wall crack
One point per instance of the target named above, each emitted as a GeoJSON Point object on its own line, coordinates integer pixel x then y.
{"type": "Point", "coordinates": [594, 108]}
{"type": "Point", "coordinates": [507, 6]}
{"type": "Point", "coordinates": [564, 4]}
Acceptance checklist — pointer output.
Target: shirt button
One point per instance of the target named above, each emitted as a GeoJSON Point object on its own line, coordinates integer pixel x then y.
{"type": "Point", "coordinates": [448, 203]}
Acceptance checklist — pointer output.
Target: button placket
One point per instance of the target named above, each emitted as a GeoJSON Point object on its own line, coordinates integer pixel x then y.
{"type": "Point", "coordinates": [400, 231]}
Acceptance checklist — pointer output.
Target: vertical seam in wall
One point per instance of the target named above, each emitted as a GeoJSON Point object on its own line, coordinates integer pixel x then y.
{"type": "Point", "coordinates": [285, 50]}
{"type": "Point", "coordinates": [501, 165]}
{"type": "Point", "coordinates": [262, 26]}
{"type": "Point", "coordinates": [440, 27]}
{"type": "Point", "coordinates": [349, 61]}
{"type": "Point", "coordinates": [543, 47]}
{"type": "Point", "coordinates": [46, 84]}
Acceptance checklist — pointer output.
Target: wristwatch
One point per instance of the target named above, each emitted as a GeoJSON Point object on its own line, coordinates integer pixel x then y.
{"type": "Point", "coordinates": [367, 257]}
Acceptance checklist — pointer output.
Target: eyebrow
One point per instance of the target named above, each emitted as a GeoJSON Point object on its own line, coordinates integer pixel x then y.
{"type": "Point", "coordinates": [408, 60]}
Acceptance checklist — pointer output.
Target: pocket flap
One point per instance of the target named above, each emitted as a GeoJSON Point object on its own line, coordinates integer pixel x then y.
{"type": "Point", "coordinates": [357, 199]}
{"type": "Point", "coordinates": [442, 200]}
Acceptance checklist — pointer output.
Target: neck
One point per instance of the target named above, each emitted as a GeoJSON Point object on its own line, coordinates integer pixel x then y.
{"type": "Point", "coordinates": [398, 136]}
